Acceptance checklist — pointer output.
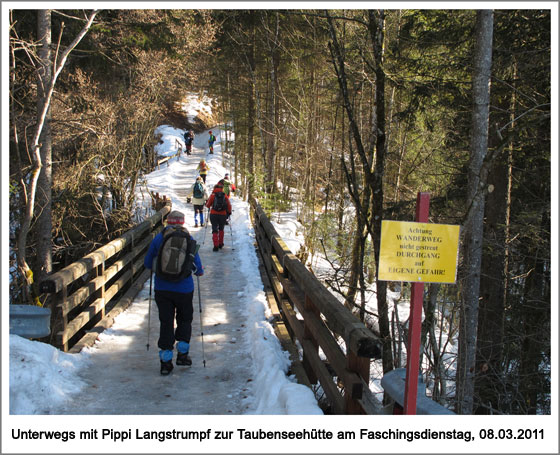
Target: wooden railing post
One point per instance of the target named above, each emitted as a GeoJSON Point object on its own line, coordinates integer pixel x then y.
{"type": "Point", "coordinates": [359, 365]}
{"type": "Point", "coordinates": [61, 319]}
{"type": "Point", "coordinates": [308, 335]}
{"type": "Point", "coordinates": [100, 294]}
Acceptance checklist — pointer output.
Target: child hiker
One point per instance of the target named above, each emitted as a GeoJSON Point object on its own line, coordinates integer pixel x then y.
{"type": "Point", "coordinates": [211, 140]}
{"type": "Point", "coordinates": [203, 169]}
{"type": "Point", "coordinates": [199, 195]}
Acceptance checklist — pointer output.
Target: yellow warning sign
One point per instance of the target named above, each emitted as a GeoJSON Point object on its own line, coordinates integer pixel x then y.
{"type": "Point", "coordinates": [418, 252]}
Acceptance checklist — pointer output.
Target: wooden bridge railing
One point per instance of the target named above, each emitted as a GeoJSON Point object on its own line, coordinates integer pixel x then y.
{"type": "Point", "coordinates": [314, 317]}
{"type": "Point", "coordinates": [178, 147]}
{"type": "Point", "coordinates": [87, 289]}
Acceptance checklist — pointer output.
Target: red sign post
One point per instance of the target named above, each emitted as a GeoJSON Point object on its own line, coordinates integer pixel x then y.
{"type": "Point", "coordinates": [415, 322]}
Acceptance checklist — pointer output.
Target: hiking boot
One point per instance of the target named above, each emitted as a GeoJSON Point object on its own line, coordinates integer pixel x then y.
{"type": "Point", "coordinates": [183, 359]}
{"type": "Point", "coordinates": [215, 248]}
{"type": "Point", "coordinates": [220, 246]}
{"type": "Point", "coordinates": [166, 367]}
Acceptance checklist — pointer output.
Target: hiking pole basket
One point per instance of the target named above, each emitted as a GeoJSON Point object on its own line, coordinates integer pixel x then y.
{"type": "Point", "coordinates": [201, 329]}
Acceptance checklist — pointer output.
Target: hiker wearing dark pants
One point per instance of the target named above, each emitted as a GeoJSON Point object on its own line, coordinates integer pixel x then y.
{"type": "Point", "coordinates": [179, 306]}
{"type": "Point", "coordinates": [220, 207]}
{"type": "Point", "coordinates": [174, 301]}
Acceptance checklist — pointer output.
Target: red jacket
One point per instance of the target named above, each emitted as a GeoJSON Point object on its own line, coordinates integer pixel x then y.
{"type": "Point", "coordinates": [210, 201]}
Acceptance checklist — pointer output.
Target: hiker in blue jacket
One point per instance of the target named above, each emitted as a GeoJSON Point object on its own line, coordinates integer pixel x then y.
{"type": "Point", "coordinates": [174, 301]}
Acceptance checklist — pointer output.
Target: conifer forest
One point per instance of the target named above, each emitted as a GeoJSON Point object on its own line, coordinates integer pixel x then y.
{"type": "Point", "coordinates": [344, 115]}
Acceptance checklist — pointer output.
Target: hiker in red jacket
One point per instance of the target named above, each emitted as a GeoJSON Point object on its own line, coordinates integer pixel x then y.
{"type": "Point", "coordinates": [220, 209]}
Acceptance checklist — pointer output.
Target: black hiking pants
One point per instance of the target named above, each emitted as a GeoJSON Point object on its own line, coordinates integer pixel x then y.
{"type": "Point", "coordinates": [174, 306]}
{"type": "Point", "coordinates": [218, 222]}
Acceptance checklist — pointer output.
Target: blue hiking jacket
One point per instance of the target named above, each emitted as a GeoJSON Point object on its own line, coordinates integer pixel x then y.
{"type": "Point", "coordinates": [184, 286]}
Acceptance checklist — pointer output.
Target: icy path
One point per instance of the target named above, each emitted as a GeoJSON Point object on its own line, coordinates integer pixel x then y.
{"type": "Point", "coordinates": [245, 369]}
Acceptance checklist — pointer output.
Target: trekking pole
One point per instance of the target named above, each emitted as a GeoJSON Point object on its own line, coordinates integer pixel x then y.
{"type": "Point", "coordinates": [200, 311]}
{"type": "Point", "coordinates": [231, 230]}
{"type": "Point", "coordinates": [149, 310]}
{"type": "Point", "coordinates": [206, 225]}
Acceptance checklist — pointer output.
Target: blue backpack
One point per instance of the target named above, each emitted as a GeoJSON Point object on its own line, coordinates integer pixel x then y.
{"type": "Point", "coordinates": [198, 190]}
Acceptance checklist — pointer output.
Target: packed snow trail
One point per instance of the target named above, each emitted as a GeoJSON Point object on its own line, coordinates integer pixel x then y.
{"type": "Point", "coordinates": [245, 369]}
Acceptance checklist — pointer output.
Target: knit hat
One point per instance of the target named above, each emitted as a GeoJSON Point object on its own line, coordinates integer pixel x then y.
{"type": "Point", "coordinates": [176, 217]}
{"type": "Point", "coordinates": [226, 176]}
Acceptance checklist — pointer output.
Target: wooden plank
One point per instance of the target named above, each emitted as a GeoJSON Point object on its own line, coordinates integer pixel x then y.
{"type": "Point", "coordinates": [273, 305]}
{"type": "Point", "coordinates": [310, 312]}
{"type": "Point", "coordinates": [295, 325]}
{"type": "Point", "coordinates": [280, 247]}
{"type": "Point", "coordinates": [277, 287]}
{"type": "Point", "coordinates": [286, 342]}
{"type": "Point", "coordinates": [276, 266]}
{"type": "Point", "coordinates": [331, 390]}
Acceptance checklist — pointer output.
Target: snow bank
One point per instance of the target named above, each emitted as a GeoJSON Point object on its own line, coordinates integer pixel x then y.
{"type": "Point", "coordinates": [276, 393]}
{"type": "Point", "coordinates": [41, 376]}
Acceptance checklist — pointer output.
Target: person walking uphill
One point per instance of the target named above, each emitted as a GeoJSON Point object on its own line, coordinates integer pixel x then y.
{"type": "Point", "coordinates": [220, 209]}
{"type": "Point", "coordinates": [203, 169]}
{"type": "Point", "coordinates": [229, 186]}
{"type": "Point", "coordinates": [211, 140]}
{"type": "Point", "coordinates": [173, 254]}
{"type": "Point", "coordinates": [189, 138]}
{"type": "Point", "coordinates": [199, 195]}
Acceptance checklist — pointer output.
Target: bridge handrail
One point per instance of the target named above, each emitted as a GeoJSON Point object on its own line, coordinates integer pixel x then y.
{"type": "Point", "coordinates": [297, 290]}
{"type": "Point", "coordinates": [72, 305]}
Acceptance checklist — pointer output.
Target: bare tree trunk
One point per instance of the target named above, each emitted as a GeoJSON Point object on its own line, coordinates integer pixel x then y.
{"type": "Point", "coordinates": [271, 146]}
{"type": "Point", "coordinates": [44, 182]}
{"type": "Point", "coordinates": [251, 120]}
{"type": "Point", "coordinates": [376, 28]}
{"type": "Point", "coordinates": [472, 247]}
